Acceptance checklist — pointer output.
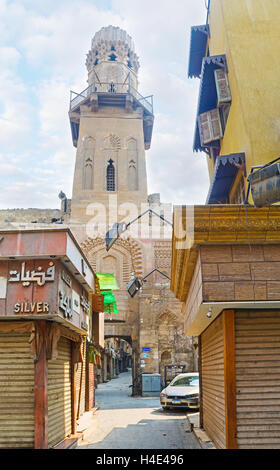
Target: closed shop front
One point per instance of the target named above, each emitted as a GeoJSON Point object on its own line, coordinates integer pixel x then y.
{"type": "Point", "coordinates": [59, 394]}
{"type": "Point", "coordinates": [212, 377]}
{"type": "Point", "coordinates": [16, 391]}
{"type": "Point", "coordinates": [257, 355]}
{"type": "Point", "coordinates": [81, 384]}
{"type": "Point", "coordinates": [45, 318]}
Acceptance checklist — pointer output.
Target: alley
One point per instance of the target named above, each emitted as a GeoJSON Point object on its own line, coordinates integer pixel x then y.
{"type": "Point", "coordinates": [125, 422]}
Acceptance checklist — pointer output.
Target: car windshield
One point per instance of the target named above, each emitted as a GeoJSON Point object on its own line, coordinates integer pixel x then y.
{"type": "Point", "coordinates": [189, 381]}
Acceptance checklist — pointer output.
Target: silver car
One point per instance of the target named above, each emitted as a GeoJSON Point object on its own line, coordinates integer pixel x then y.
{"type": "Point", "coordinates": [183, 391]}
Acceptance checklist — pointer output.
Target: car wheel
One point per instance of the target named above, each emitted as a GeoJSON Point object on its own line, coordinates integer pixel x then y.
{"type": "Point", "coordinates": [165, 408]}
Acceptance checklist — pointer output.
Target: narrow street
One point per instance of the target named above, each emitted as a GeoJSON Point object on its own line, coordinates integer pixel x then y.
{"type": "Point", "coordinates": [125, 422]}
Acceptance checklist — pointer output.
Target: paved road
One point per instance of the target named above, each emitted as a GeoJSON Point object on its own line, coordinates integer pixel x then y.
{"type": "Point", "coordinates": [125, 422]}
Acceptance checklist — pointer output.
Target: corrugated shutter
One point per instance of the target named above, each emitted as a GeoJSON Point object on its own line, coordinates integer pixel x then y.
{"type": "Point", "coordinates": [81, 384]}
{"type": "Point", "coordinates": [83, 395]}
{"type": "Point", "coordinates": [16, 392]}
{"type": "Point", "coordinates": [59, 394]}
{"type": "Point", "coordinates": [258, 379]}
{"type": "Point", "coordinates": [212, 365]}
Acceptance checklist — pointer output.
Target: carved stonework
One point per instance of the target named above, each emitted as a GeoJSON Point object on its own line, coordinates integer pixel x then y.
{"type": "Point", "coordinates": [115, 142]}
{"type": "Point", "coordinates": [129, 248]}
{"type": "Point", "coordinates": [112, 41]}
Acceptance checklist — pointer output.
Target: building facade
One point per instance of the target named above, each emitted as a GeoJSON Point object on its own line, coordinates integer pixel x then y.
{"type": "Point", "coordinates": [225, 254]}
{"type": "Point", "coordinates": [237, 118]}
{"type": "Point", "coordinates": [46, 332]}
{"type": "Point", "coordinates": [112, 125]}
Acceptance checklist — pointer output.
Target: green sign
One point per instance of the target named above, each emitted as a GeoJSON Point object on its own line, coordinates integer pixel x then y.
{"type": "Point", "coordinates": [110, 304]}
{"type": "Point", "coordinates": [107, 281]}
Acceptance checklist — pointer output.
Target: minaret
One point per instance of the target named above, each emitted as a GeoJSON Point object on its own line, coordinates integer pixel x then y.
{"type": "Point", "coordinates": [111, 126]}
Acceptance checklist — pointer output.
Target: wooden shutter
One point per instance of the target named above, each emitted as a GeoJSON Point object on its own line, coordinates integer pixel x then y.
{"type": "Point", "coordinates": [59, 394]}
{"type": "Point", "coordinates": [258, 379]}
{"type": "Point", "coordinates": [16, 392]}
{"type": "Point", "coordinates": [222, 85]}
{"type": "Point", "coordinates": [210, 128]}
{"type": "Point", "coordinates": [213, 388]}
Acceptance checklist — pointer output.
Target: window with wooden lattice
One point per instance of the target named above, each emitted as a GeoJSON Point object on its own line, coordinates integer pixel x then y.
{"type": "Point", "coordinates": [222, 85]}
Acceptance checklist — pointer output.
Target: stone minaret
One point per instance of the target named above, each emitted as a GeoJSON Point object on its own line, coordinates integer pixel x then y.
{"type": "Point", "coordinates": [111, 126]}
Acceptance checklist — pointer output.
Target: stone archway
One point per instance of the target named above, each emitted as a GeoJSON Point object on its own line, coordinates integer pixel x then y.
{"type": "Point", "coordinates": [125, 257]}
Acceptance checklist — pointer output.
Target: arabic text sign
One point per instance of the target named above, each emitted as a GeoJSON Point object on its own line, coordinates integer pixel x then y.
{"type": "Point", "coordinates": [27, 276]}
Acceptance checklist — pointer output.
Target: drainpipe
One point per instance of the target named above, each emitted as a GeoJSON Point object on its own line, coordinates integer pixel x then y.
{"type": "Point", "coordinates": [208, 10]}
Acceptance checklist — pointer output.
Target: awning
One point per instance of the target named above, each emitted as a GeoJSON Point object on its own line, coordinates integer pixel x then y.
{"type": "Point", "coordinates": [225, 172]}
{"type": "Point", "coordinates": [198, 43]}
{"type": "Point", "coordinates": [107, 281]}
{"type": "Point", "coordinates": [208, 98]}
{"type": "Point", "coordinates": [110, 303]}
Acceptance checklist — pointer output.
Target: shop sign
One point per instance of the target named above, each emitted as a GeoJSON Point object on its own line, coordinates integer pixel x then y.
{"type": "Point", "coordinates": [65, 304]}
{"type": "Point", "coordinates": [84, 304]}
{"type": "Point", "coordinates": [76, 302]}
{"type": "Point", "coordinates": [84, 325]}
{"type": "Point", "coordinates": [32, 307]}
{"type": "Point", "coordinates": [66, 278]}
{"type": "Point", "coordinates": [39, 276]}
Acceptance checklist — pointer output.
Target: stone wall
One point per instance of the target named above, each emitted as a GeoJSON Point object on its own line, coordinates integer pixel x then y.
{"type": "Point", "coordinates": [240, 273]}
{"type": "Point", "coordinates": [36, 216]}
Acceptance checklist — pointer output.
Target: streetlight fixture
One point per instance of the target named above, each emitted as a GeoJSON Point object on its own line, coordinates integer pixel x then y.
{"type": "Point", "coordinates": [114, 233]}
{"type": "Point", "coordinates": [135, 284]}
{"type": "Point", "coordinates": [118, 228]}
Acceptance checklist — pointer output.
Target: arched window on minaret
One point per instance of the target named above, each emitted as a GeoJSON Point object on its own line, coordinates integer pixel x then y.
{"type": "Point", "coordinates": [110, 176]}
{"type": "Point", "coordinates": [88, 177]}
{"type": "Point", "coordinates": [132, 176]}
{"type": "Point", "coordinates": [89, 149]}
{"type": "Point", "coordinates": [132, 165]}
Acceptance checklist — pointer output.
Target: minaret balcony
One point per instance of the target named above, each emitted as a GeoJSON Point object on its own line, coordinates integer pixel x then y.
{"type": "Point", "coordinates": [102, 94]}
{"type": "Point", "coordinates": [110, 94]}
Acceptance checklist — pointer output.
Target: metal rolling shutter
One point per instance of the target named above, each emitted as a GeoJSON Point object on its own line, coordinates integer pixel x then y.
{"type": "Point", "coordinates": [81, 384]}
{"type": "Point", "coordinates": [59, 394]}
{"type": "Point", "coordinates": [212, 364]}
{"type": "Point", "coordinates": [258, 379]}
{"type": "Point", "coordinates": [16, 392]}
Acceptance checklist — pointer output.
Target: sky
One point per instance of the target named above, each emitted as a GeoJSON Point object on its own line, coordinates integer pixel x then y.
{"type": "Point", "coordinates": [43, 48]}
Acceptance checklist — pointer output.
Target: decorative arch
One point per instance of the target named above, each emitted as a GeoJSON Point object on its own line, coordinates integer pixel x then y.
{"type": "Point", "coordinates": [88, 162]}
{"type": "Point", "coordinates": [165, 356]}
{"type": "Point", "coordinates": [166, 317]}
{"type": "Point", "coordinates": [112, 142]}
{"type": "Point", "coordinates": [126, 252]}
{"type": "Point", "coordinates": [132, 158]}
{"type": "Point", "coordinates": [112, 145]}
{"type": "Point", "coordinates": [110, 176]}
